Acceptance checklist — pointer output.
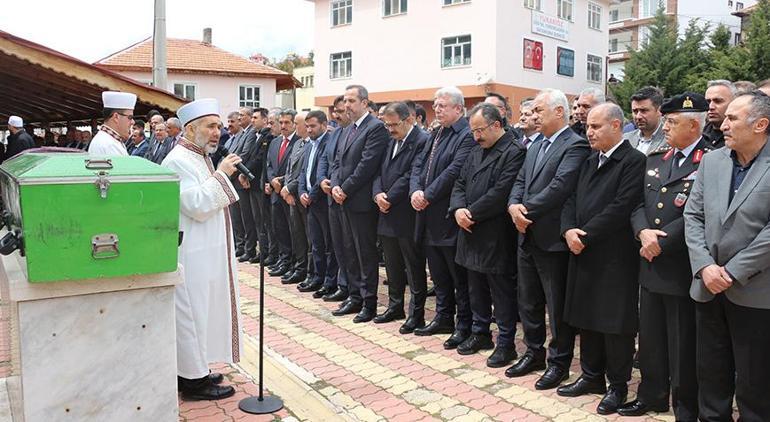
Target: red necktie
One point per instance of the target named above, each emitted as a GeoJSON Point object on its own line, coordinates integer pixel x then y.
{"type": "Point", "coordinates": [283, 149]}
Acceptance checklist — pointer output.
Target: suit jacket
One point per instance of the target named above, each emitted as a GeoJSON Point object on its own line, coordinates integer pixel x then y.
{"type": "Point", "coordinates": [657, 141]}
{"type": "Point", "coordinates": [483, 188]}
{"type": "Point", "coordinates": [141, 149]}
{"type": "Point", "coordinates": [317, 197]}
{"type": "Point", "coordinates": [734, 234]}
{"type": "Point", "coordinates": [602, 288]}
{"type": "Point", "coordinates": [714, 136]}
{"type": "Point", "coordinates": [18, 143]}
{"type": "Point", "coordinates": [275, 167]}
{"type": "Point", "coordinates": [665, 193]}
{"type": "Point", "coordinates": [393, 180]}
{"type": "Point", "coordinates": [358, 161]}
{"type": "Point", "coordinates": [539, 137]}
{"type": "Point", "coordinates": [253, 153]}
{"type": "Point", "coordinates": [544, 189]}
{"type": "Point", "coordinates": [242, 146]}
{"type": "Point", "coordinates": [295, 166]}
{"type": "Point", "coordinates": [433, 226]}
{"type": "Point", "coordinates": [327, 159]}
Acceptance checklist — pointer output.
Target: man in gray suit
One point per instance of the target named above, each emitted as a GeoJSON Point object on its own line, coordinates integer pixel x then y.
{"type": "Point", "coordinates": [297, 212]}
{"type": "Point", "coordinates": [645, 106]}
{"type": "Point", "coordinates": [242, 146]}
{"type": "Point", "coordinates": [728, 236]}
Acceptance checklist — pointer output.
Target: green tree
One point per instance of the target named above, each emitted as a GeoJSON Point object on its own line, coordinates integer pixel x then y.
{"type": "Point", "coordinates": [757, 40]}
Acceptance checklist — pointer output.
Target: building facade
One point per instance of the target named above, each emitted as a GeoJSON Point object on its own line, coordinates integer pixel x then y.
{"type": "Point", "coordinates": [198, 69]}
{"type": "Point", "coordinates": [629, 19]}
{"type": "Point", "coordinates": [407, 49]}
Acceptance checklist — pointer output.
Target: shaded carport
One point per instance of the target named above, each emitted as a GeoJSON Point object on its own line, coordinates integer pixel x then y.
{"type": "Point", "coordinates": [48, 88]}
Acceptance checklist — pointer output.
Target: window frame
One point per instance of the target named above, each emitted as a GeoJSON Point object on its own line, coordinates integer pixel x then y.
{"type": "Point", "coordinates": [560, 10]}
{"type": "Point", "coordinates": [453, 2]}
{"type": "Point", "coordinates": [534, 5]}
{"type": "Point", "coordinates": [596, 15]}
{"type": "Point", "coordinates": [589, 56]}
{"type": "Point", "coordinates": [403, 7]}
{"type": "Point", "coordinates": [258, 99]}
{"type": "Point", "coordinates": [185, 85]}
{"type": "Point", "coordinates": [558, 58]}
{"type": "Point", "coordinates": [455, 45]}
{"type": "Point", "coordinates": [334, 6]}
{"type": "Point", "coordinates": [332, 60]}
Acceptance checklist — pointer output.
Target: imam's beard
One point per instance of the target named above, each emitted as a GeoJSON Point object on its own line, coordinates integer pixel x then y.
{"type": "Point", "coordinates": [201, 140]}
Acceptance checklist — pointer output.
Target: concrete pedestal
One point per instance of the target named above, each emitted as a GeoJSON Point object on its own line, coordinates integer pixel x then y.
{"type": "Point", "coordinates": [101, 350]}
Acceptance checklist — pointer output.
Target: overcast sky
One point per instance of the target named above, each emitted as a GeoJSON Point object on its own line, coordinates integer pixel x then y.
{"type": "Point", "coordinates": [93, 29]}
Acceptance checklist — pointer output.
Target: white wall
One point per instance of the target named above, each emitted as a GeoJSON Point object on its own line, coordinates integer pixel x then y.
{"type": "Point", "coordinates": [712, 11]}
{"type": "Point", "coordinates": [223, 88]}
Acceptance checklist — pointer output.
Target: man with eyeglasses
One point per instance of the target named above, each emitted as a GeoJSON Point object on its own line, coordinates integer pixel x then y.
{"type": "Point", "coordinates": [118, 120]}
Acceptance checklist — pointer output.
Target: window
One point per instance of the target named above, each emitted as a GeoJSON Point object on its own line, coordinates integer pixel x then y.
{"type": "Point", "coordinates": [451, 2]}
{"type": "Point", "coordinates": [594, 68]}
{"type": "Point", "coordinates": [393, 7]}
{"type": "Point", "coordinates": [342, 12]}
{"type": "Point", "coordinates": [738, 5]}
{"type": "Point", "coordinates": [730, 4]}
{"type": "Point", "coordinates": [341, 65]}
{"type": "Point", "coordinates": [644, 35]}
{"type": "Point", "coordinates": [533, 54]}
{"type": "Point", "coordinates": [248, 96]}
{"type": "Point", "coordinates": [650, 7]}
{"type": "Point", "coordinates": [565, 62]}
{"type": "Point", "coordinates": [738, 38]}
{"type": "Point", "coordinates": [185, 91]}
{"type": "Point", "coordinates": [621, 41]}
{"type": "Point", "coordinates": [307, 81]}
{"type": "Point", "coordinates": [621, 10]}
{"type": "Point", "coordinates": [456, 51]}
{"type": "Point", "coordinates": [564, 8]}
{"type": "Point", "coordinates": [533, 4]}
{"type": "Point", "coordinates": [594, 16]}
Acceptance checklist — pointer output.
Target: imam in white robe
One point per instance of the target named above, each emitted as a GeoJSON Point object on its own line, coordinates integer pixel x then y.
{"type": "Point", "coordinates": [207, 303]}
{"type": "Point", "coordinates": [106, 143]}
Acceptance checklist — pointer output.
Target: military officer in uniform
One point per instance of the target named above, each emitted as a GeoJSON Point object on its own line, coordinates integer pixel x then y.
{"type": "Point", "coordinates": [667, 314]}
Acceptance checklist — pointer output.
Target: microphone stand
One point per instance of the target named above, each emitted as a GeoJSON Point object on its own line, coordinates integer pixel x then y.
{"type": "Point", "coordinates": [261, 404]}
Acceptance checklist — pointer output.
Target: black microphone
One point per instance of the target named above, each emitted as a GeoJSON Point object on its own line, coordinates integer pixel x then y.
{"type": "Point", "coordinates": [241, 168]}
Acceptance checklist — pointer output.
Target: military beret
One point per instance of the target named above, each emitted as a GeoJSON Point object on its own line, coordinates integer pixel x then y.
{"type": "Point", "coordinates": [687, 101]}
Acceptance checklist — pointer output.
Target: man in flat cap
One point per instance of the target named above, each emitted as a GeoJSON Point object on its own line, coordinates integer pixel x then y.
{"type": "Point", "coordinates": [667, 314]}
{"type": "Point", "coordinates": [118, 120]}
{"type": "Point", "coordinates": [728, 238]}
{"type": "Point", "coordinates": [207, 314]}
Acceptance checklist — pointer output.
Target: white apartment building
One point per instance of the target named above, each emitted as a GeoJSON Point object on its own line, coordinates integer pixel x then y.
{"type": "Point", "coordinates": [407, 49]}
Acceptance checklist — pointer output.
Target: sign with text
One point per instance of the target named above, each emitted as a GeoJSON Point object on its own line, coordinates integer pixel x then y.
{"type": "Point", "coordinates": [549, 26]}
{"type": "Point", "coordinates": [533, 54]}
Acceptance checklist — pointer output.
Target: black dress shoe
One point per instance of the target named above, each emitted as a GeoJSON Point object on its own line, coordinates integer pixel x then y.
{"type": "Point", "coordinates": [347, 309]}
{"type": "Point", "coordinates": [614, 398]}
{"type": "Point", "coordinates": [365, 315]}
{"type": "Point", "coordinates": [457, 338]}
{"type": "Point", "coordinates": [552, 377]}
{"type": "Point", "coordinates": [269, 261]}
{"type": "Point", "coordinates": [473, 343]}
{"type": "Point", "coordinates": [208, 392]}
{"type": "Point", "coordinates": [323, 291]}
{"type": "Point", "coordinates": [524, 366]}
{"type": "Point", "coordinates": [389, 316]}
{"type": "Point", "coordinates": [435, 327]}
{"type": "Point", "coordinates": [238, 252]}
{"type": "Point", "coordinates": [502, 356]}
{"type": "Point", "coordinates": [410, 325]}
{"type": "Point", "coordinates": [294, 278]}
{"type": "Point", "coordinates": [639, 408]}
{"type": "Point", "coordinates": [303, 284]}
{"type": "Point", "coordinates": [216, 378]}
{"type": "Point", "coordinates": [337, 296]}
{"type": "Point", "coordinates": [582, 387]}
{"type": "Point", "coordinates": [246, 257]}
{"type": "Point", "coordinates": [279, 270]}
{"type": "Point", "coordinates": [255, 260]}
{"type": "Point", "coordinates": [310, 287]}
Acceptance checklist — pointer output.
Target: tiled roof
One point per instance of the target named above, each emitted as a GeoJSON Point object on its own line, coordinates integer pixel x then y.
{"type": "Point", "coordinates": [191, 56]}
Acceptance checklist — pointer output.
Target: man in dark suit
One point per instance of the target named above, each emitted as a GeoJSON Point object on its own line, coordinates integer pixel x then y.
{"type": "Point", "coordinates": [255, 160]}
{"type": "Point", "coordinates": [529, 124]}
{"type": "Point", "coordinates": [430, 187]}
{"type": "Point", "coordinates": [314, 201]}
{"type": "Point", "coordinates": [359, 156]}
{"type": "Point", "coordinates": [404, 261]}
{"type": "Point", "coordinates": [297, 212]}
{"type": "Point", "coordinates": [241, 146]}
{"type": "Point", "coordinates": [727, 234]}
{"type": "Point", "coordinates": [277, 163]}
{"type": "Point", "coordinates": [339, 292]}
{"type": "Point", "coordinates": [504, 107]}
{"type": "Point", "coordinates": [602, 289]}
{"type": "Point", "coordinates": [275, 138]}
{"type": "Point", "coordinates": [666, 312]}
{"type": "Point", "coordinates": [719, 94]}
{"type": "Point", "coordinates": [544, 183]}
{"type": "Point", "coordinates": [486, 244]}
{"type": "Point", "coordinates": [236, 131]}
{"type": "Point", "coordinates": [589, 98]}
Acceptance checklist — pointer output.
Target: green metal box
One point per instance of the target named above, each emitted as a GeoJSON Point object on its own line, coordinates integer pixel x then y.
{"type": "Point", "coordinates": [77, 217]}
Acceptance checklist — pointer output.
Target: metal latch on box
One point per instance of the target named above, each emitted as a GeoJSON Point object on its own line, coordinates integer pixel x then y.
{"type": "Point", "coordinates": [102, 183]}
{"type": "Point", "coordinates": [105, 246]}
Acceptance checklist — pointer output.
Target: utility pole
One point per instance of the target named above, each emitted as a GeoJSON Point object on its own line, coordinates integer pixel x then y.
{"type": "Point", "coordinates": [159, 71]}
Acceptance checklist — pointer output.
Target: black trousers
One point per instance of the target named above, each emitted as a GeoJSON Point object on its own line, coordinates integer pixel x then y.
{"type": "Point", "coordinates": [359, 230]}
{"type": "Point", "coordinates": [299, 237]}
{"type": "Point", "coordinates": [238, 230]}
{"type": "Point", "coordinates": [666, 353]}
{"type": "Point", "coordinates": [335, 230]}
{"type": "Point", "coordinates": [733, 348]}
{"type": "Point", "coordinates": [258, 199]}
{"type": "Point", "coordinates": [542, 286]}
{"type": "Point", "coordinates": [451, 286]}
{"type": "Point", "coordinates": [281, 227]}
{"type": "Point", "coordinates": [498, 290]}
{"type": "Point", "coordinates": [405, 264]}
{"type": "Point", "coordinates": [610, 354]}
{"type": "Point", "coordinates": [249, 225]}
{"type": "Point", "coordinates": [324, 261]}
{"type": "Point", "coordinates": [272, 241]}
